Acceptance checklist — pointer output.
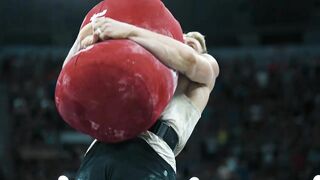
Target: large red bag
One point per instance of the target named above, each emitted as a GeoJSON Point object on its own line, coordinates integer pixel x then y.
{"type": "Point", "coordinates": [116, 89]}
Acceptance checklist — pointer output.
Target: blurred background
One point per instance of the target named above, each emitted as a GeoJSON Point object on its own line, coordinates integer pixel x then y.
{"type": "Point", "coordinates": [263, 118]}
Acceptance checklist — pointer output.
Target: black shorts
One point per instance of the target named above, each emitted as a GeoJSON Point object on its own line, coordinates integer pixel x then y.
{"type": "Point", "coordinates": [133, 159]}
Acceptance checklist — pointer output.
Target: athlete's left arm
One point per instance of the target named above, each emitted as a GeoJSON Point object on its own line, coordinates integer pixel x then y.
{"type": "Point", "coordinates": [176, 55]}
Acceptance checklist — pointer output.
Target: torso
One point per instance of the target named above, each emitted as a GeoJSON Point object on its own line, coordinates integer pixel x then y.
{"type": "Point", "coordinates": [182, 114]}
{"type": "Point", "coordinates": [184, 110]}
{"type": "Point", "coordinates": [197, 93]}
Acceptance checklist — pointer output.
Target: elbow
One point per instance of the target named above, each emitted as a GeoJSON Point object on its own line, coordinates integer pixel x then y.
{"type": "Point", "coordinates": [215, 67]}
{"type": "Point", "coordinates": [189, 60]}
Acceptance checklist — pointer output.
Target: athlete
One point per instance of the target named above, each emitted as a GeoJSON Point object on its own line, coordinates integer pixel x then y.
{"type": "Point", "coordinates": [152, 154]}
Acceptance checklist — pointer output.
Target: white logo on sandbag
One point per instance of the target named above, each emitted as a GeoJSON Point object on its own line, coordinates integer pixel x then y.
{"type": "Point", "coordinates": [97, 15]}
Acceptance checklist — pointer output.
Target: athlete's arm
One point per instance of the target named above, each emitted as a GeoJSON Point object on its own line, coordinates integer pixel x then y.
{"type": "Point", "coordinates": [176, 55]}
{"type": "Point", "coordinates": [85, 38]}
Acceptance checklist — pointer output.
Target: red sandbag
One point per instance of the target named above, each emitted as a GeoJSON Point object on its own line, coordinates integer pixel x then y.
{"type": "Point", "coordinates": [116, 89]}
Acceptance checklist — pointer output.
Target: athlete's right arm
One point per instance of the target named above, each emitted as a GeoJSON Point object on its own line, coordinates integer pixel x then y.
{"type": "Point", "coordinates": [85, 37]}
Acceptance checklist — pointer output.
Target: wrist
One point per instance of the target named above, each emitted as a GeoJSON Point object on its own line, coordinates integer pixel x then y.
{"type": "Point", "coordinates": [134, 32]}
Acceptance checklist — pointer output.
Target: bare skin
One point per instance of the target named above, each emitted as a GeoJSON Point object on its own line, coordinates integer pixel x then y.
{"type": "Point", "coordinates": [198, 71]}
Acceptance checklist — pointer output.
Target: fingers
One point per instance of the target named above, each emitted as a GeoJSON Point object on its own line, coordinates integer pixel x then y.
{"type": "Point", "coordinates": [87, 41]}
{"type": "Point", "coordinates": [99, 31]}
{"type": "Point", "coordinates": [95, 38]}
{"type": "Point", "coordinates": [99, 22]}
{"type": "Point", "coordinates": [106, 28]}
{"type": "Point", "coordinates": [100, 28]}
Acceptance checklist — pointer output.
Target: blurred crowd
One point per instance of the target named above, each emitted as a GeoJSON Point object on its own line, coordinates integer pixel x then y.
{"type": "Point", "coordinates": [262, 122]}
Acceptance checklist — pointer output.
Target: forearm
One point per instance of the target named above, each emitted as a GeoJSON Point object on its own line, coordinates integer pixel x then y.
{"type": "Point", "coordinates": [75, 48]}
{"type": "Point", "coordinates": [170, 52]}
{"type": "Point", "coordinates": [84, 33]}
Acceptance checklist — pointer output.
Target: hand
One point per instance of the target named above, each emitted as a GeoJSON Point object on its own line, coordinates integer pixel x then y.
{"type": "Point", "coordinates": [107, 28]}
{"type": "Point", "coordinates": [87, 36]}
{"type": "Point", "coordinates": [88, 41]}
